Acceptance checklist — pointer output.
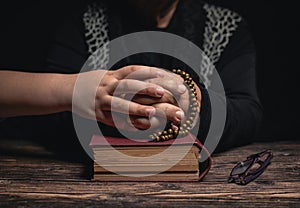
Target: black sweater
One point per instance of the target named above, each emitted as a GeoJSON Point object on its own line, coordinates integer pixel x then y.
{"type": "Point", "coordinates": [236, 68]}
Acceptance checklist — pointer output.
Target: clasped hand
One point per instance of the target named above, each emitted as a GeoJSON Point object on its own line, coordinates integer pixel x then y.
{"type": "Point", "coordinates": [144, 93]}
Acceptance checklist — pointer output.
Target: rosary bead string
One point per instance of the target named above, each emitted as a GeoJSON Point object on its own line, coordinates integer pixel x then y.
{"type": "Point", "coordinates": [184, 129]}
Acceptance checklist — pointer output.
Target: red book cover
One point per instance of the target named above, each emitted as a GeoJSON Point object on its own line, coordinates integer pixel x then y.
{"type": "Point", "coordinates": [118, 142]}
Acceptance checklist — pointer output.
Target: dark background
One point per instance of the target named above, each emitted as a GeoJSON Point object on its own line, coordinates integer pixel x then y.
{"type": "Point", "coordinates": [27, 28]}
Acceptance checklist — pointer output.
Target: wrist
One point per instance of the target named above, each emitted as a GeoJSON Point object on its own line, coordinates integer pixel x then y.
{"type": "Point", "coordinates": [62, 90]}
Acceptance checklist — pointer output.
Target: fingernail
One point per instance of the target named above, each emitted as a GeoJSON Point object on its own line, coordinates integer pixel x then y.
{"type": "Point", "coordinates": [181, 88]}
{"type": "Point", "coordinates": [179, 115]}
{"type": "Point", "coordinates": [174, 127]}
{"type": "Point", "coordinates": [151, 112]}
{"type": "Point", "coordinates": [160, 91]}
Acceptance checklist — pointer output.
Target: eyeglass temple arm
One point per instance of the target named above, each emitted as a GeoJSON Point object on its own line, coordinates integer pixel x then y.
{"type": "Point", "coordinates": [259, 171]}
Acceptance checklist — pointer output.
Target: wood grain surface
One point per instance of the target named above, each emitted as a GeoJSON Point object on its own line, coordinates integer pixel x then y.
{"type": "Point", "coordinates": [33, 177]}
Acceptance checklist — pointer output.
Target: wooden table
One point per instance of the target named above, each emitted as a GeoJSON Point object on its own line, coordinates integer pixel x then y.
{"type": "Point", "coordinates": [42, 180]}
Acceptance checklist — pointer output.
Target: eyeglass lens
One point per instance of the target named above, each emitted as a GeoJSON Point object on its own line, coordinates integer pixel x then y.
{"type": "Point", "coordinates": [241, 167]}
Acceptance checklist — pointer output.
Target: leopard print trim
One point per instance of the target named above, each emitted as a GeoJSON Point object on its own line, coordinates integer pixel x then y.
{"type": "Point", "coordinates": [96, 33]}
{"type": "Point", "coordinates": [220, 25]}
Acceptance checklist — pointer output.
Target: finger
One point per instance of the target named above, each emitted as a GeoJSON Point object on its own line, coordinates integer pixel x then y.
{"type": "Point", "coordinates": [130, 86]}
{"type": "Point", "coordinates": [146, 123]}
{"type": "Point", "coordinates": [138, 72]}
{"type": "Point", "coordinates": [171, 112]}
{"type": "Point", "coordinates": [147, 100]}
{"type": "Point", "coordinates": [184, 101]}
{"type": "Point", "coordinates": [173, 84]}
{"type": "Point", "coordinates": [119, 121]}
{"type": "Point", "coordinates": [116, 104]}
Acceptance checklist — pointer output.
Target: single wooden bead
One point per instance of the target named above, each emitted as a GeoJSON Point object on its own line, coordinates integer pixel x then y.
{"type": "Point", "coordinates": [194, 99]}
{"type": "Point", "coordinates": [191, 118]}
{"type": "Point", "coordinates": [165, 133]}
{"type": "Point", "coordinates": [194, 109]}
{"type": "Point", "coordinates": [170, 131]}
{"type": "Point", "coordinates": [191, 85]}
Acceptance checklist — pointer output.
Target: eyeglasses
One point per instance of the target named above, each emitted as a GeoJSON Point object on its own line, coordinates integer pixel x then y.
{"type": "Point", "coordinates": [248, 170]}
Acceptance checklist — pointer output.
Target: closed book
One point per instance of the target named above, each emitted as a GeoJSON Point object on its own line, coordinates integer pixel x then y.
{"type": "Point", "coordinates": [123, 159]}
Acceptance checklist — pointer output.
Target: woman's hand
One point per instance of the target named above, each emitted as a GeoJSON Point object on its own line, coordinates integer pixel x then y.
{"type": "Point", "coordinates": [84, 94]}
{"type": "Point", "coordinates": [99, 101]}
{"type": "Point", "coordinates": [163, 104]}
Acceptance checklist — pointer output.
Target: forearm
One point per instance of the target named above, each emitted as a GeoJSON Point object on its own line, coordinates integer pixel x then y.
{"type": "Point", "coordinates": [34, 93]}
{"type": "Point", "coordinates": [244, 117]}
{"type": "Point", "coordinates": [244, 111]}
